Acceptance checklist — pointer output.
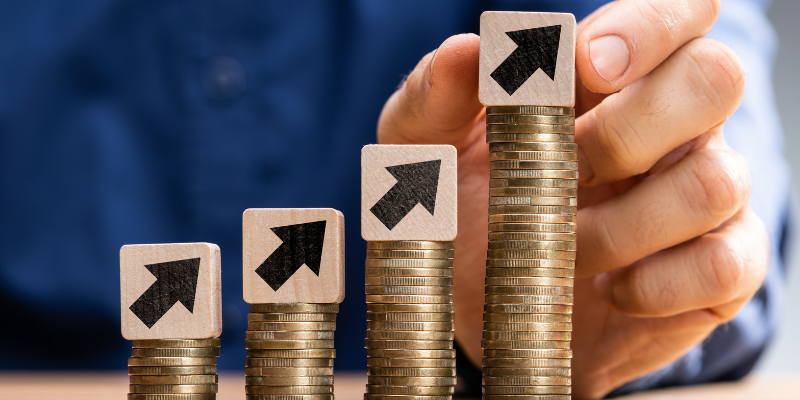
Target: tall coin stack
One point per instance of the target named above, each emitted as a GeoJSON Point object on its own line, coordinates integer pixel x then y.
{"type": "Point", "coordinates": [290, 351]}
{"type": "Point", "coordinates": [531, 257]}
{"type": "Point", "coordinates": [410, 320]}
{"type": "Point", "coordinates": [172, 369]}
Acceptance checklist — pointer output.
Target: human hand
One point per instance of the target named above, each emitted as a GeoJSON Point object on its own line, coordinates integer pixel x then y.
{"type": "Point", "coordinates": [667, 246]}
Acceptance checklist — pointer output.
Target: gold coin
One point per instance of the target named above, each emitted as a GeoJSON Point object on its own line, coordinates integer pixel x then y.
{"type": "Point", "coordinates": [533, 191]}
{"type": "Point", "coordinates": [173, 379]}
{"type": "Point", "coordinates": [533, 281]}
{"type": "Point", "coordinates": [288, 362]}
{"type": "Point", "coordinates": [564, 372]}
{"type": "Point", "coordinates": [373, 396]}
{"type": "Point", "coordinates": [414, 308]}
{"type": "Point", "coordinates": [173, 396]}
{"type": "Point", "coordinates": [280, 317]}
{"type": "Point", "coordinates": [409, 290]}
{"type": "Point", "coordinates": [540, 336]}
{"type": "Point", "coordinates": [527, 362]}
{"type": "Point", "coordinates": [402, 272]}
{"type": "Point", "coordinates": [532, 226]}
{"type": "Point", "coordinates": [530, 290]}
{"type": "Point", "coordinates": [422, 299]}
{"type": "Point", "coordinates": [170, 389]}
{"type": "Point", "coordinates": [176, 352]}
{"type": "Point", "coordinates": [533, 210]}
{"type": "Point", "coordinates": [408, 344]}
{"type": "Point", "coordinates": [538, 157]}
{"type": "Point", "coordinates": [527, 393]}
{"type": "Point", "coordinates": [191, 370]}
{"type": "Point", "coordinates": [411, 362]}
{"type": "Point", "coordinates": [527, 299]}
{"type": "Point", "coordinates": [170, 361]}
{"type": "Point", "coordinates": [531, 254]}
{"type": "Point", "coordinates": [293, 371]}
{"type": "Point", "coordinates": [412, 380]}
{"type": "Point", "coordinates": [496, 172]}
{"type": "Point", "coordinates": [270, 392]}
{"type": "Point", "coordinates": [532, 146]}
{"type": "Point", "coordinates": [291, 326]}
{"type": "Point", "coordinates": [529, 119]}
{"type": "Point", "coordinates": [530, 272]}
{"type": "Point", "coordinates": [543, 236]}
{"type": "Point", "coordinates": [526, 380]}
{"type": "Point", "coordinates": [527, 326]}
{"type": "Point", "coordinates": [533, 182]}
{"type": "Point", "coordinates": [560, 245]}
{"type": "Point", "coordinates": [531, 129]}
{"type": "Point", "coordinates": [253, 382]}
{"type": "Point", "coordinates": [429, 263]}
{"type": "Point", "coordinates": [524, 344]}
{"type": "Point", "coordinates": [410, 326]}
{"type": "Point", "coordinates": [167, 343]}
{"type": "Point", "coordinates": [410, 245]}
{"type": "Point", "coordinates": [411, 317]}
{"type": "Point", "coordinates": [407, 281]}
{"type": "Point", "coordinates": [530, 110]}
{"type": "Point", "coordinates": [410, 335]}
{"type": "Point", "coordinates": [288, 335]}
{"type": "Point", "coordinates": [288, 344]}
{"type": "Point", "coordinates": [394, 371]}
{"type": "Point", "coordinates": [528, 308]}
{"type": "Point", "coordinates": [410, 390]}
{"type": "Point", "coordinates": [295, 308]}
{"type": "Point", "coordinates": [494, 137]}
{"type": "Point", "coordinates": [529, 263]}
{"type": "Point", "coordinates": [398, 353]}
{"type": "Point", "coordinates": [410, 253]}
{"type": "Point", "coordinates": [528, 353]}
{"type": "Point", "coordinates": [532, 200]}
{"type": "Point", "coordinates": [293, 353]}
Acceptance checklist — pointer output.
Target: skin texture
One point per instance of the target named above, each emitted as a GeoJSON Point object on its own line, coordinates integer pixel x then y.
{"type": "Point", "coordinates": [668, 247]}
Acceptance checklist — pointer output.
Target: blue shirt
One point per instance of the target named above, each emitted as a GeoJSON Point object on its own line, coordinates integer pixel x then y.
{"type": "Point", "coordinates": [161, 121]}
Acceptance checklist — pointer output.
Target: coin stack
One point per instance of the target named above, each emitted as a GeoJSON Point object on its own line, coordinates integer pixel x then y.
{"type": "Point", "coordinates": [290, 351]}
{"type": "Point", "coordinates": [169, 369]}
{"type": "Point", "coordinates": [410, 320]}
{"type": "Point", "coordinates": [531, 257]}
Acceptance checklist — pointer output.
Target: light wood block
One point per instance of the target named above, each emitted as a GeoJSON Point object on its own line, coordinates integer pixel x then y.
{"type": "Point", "coordinates": [170, 291]}
{"type": "Point", "coordinates": [409, 192]}
{"type": "Point", "coordinates": [293, 255]}
{"type": "Point", "coordinates": [518, 61]}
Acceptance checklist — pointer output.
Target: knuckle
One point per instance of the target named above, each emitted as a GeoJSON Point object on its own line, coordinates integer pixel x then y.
{"type": "Point", "coordinates": [715, 75]}
{"type": "Point", "coordinates": [725, 270]}
{"type": "Point", "coordinates": [720, 184]}
{"type": "Point", "coordinates": [651, 298]}
{"type": "Point", "coordinates": [620, 141]}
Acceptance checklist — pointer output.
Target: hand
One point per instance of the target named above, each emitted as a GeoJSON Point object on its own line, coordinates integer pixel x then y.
{"type": "Point", "coordinates": [667, 246]}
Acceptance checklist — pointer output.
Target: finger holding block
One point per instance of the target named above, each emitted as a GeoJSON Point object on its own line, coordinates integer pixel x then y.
{"type": "Point", "coordinates": [408, 192]}
{"type": "Point", "coordinates": [170, 291]}
{"type": "Point", "coordinates": [293, 255]}
{"type": "Point", "coordinates": [527, 59]}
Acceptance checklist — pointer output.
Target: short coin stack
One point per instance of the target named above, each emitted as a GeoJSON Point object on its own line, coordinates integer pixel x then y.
{"type": "Point", "coordinates": [170, 369]}
{"type": "Point", "coordinates": [410, 320]}
{"type": "Point", "coordinates": [290, 351]}
{"type": "Point", "coordinates": [531, 257]}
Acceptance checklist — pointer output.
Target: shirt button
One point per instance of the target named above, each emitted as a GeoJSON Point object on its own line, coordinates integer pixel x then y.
{"type": "Point", "coordinates": [225, 78]}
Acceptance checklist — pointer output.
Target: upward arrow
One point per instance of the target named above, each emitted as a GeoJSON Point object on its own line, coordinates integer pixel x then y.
{"type": "Point", "coordinates": [537, 48]}
{"type": "Point", "coordinates": [302, 244]}
{"type": "Point", "coordinates": [175, 281]}
{"type": "Point", "coordinates": [417, 183]}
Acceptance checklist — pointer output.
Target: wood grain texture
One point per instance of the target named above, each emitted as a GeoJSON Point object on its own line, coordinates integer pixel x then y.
{"type": "Point", "coordinates": [204, 320]}
{"type": "Point", "coordinates": [304, 286]}
{"type": "Point", "coordinates": [539, 89]}
{"type": "Point", "coordinates": [414, 221]}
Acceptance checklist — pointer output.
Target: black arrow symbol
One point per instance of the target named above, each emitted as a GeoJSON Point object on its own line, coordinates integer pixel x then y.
{"type": "Point", "coordinates": [537, 48]}
{"type": "Point", "coordinates": [302, 244]}
{"type": "Point", "coordinates": [416, 184]}
{"type": "Point", "coordinates": [175, 281]}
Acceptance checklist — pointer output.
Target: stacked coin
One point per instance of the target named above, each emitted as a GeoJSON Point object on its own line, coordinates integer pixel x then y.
{"type": "Point", "coordinates": [290, 351]}
{"type": "Point", "coordinates": [173, 369]}
{"type": "Point", "coordinates": [410, 320]}
{"type": "Point", "coordinates": [531, 257]}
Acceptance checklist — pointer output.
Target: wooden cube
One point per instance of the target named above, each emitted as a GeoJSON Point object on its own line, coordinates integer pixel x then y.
{"type": "Point", "coordinates": [170, 291]}
{"type": "Point", "coordinates": [527, 59]}
{"type": "Point", "coordinates": [293, 255]}
{"type": "Point", "coordinates": [409, 192]}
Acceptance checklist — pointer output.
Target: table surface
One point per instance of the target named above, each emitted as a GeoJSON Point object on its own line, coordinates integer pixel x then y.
{"type": "Point", "coordinates": [349, 386]}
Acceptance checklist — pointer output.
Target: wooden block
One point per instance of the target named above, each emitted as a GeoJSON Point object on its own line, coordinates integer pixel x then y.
{"type": "Point", "coordinates": [170, 291]}
{"type": "Point", "coordinates": [409, 192]}
{"type": "Point", "coordinates": [293, 255]}
{"type": "Point", "coordinates": [527, 59]}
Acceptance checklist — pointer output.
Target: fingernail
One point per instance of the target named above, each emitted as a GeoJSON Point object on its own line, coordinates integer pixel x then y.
{"type": "Point", "coordinates": [429, 72]}
{"type": "Point", "coordinates": [610, 56]}
{"type": "Point", "coordinates": [602, 284]}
